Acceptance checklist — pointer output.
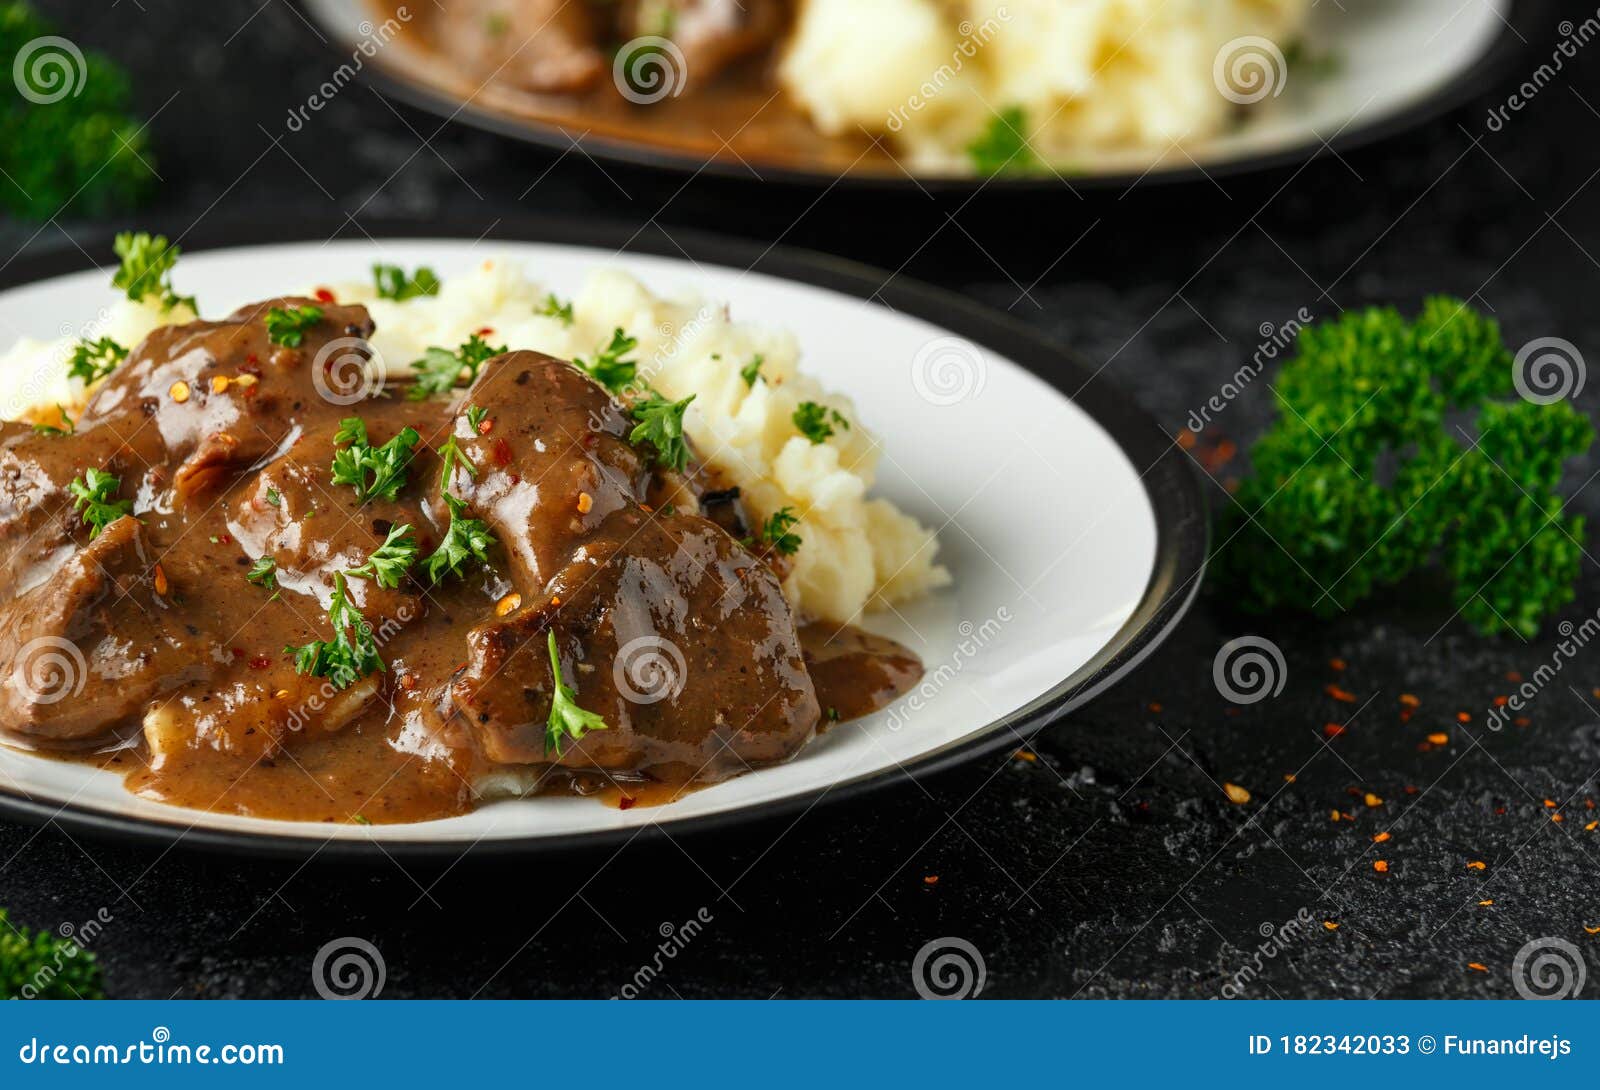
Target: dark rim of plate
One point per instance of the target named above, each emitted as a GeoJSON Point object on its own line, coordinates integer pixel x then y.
{"type": "Point", "coordinates": [1483, 73]}
{"type": "Point", "coordinates": [1170, 483]}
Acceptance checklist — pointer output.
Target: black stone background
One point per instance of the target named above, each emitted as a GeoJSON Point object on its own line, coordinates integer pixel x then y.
{"type": "Point", "coordinates": [1113, 866]}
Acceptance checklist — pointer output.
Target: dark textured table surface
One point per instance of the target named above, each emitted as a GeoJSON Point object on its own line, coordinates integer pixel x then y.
{"type": "Point", "coordinates": [1111, 866]}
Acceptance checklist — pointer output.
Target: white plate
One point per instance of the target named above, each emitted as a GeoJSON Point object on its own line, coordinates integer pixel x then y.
{"type": "Point", "coordinates": [1394, 64]}
{"type": "Point", "coordinates": [1075, 536]}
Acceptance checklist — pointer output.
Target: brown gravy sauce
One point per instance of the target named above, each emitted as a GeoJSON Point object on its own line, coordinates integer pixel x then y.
{"type": "Point", "coordinates": [369, 773]}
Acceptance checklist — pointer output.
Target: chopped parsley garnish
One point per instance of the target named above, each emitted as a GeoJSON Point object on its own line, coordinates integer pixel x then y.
{"type": "Point", "coordinates": [92, 494]}
{"type": "Point", "coordinates": [776, 531]}
{"type": "Point", "coordinates": [440, 370]}
{"type": "Point", "coordinates": [54, 429]}
{"type": "Point", "coordinates": [390, 561]}
{"type": "Point", "coordinates": [567, 720]}
{"type": "Point", "coordinates": [1003, 148]}
{"type": "Point", "coordinates": [661, 425]}
{"type": "Point", "coordinates": [374, 472]}
{"type": "Point", "coordinates": [92, 361]}
{"type": "Point", "coordinates": [393, 283]}
{"type": "Point", "coordinates": [555, 308]}
{"type": "Point", "coordinates": [288, 327]}
{"type": "Point", "coordinates": [466, 539]}
{"type": "Point", "coordinates": [752, 370]}
{"type": "Point", "coordinates": [274, 497]}
{"type": "Point", "coordinates": [452, 454]}
{"type": "Point", "coordinates": [263, 573]}
{"type": "Point", "coordinates": [816, 422]}
{"type": "Point", "coordinates": [609, 368]}
{"type": "Point", "coordinates": [352, 654]}
{"type": "Point", "coordinates": [475, 418]}
{"type": "Point", "coordinates": [146, 269]}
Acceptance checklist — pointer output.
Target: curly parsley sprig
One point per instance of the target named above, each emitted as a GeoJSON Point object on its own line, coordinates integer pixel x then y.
{"type": "Point", "coordinates": [374, 472]}
{"type": "Point", "coordinates": [146, 268]}
{"type": "Point", "coordinates": [93, 494]}
{"type": "Point", "coordinates": [288, 326]}
{"type": "Point", "coordinates": [92, 361]}
{"type": "Point", "coordinates": [392, 282]}
{"type": "Point", "coordinates": [440, 370]}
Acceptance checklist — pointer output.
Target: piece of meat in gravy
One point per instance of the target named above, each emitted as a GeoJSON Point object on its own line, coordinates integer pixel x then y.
{"type": "Point", "coordinates": [710, 34]}
{"type": "Point", "coordinates": [94, 644]}
{"type": "Point", "coordinates": [544, 46]}
{"type": "Point", "coordinates": [668, 629]}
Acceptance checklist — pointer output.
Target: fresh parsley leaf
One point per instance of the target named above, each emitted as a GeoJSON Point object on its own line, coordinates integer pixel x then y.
{"type": "Point", "coordinates": [816, 422]}
{"type": "Point", "coordinates": [1003, 148]}
{"type": "Point", "coordinates": [352, 654]}
{"type": "Point", "coordinates": [146, 269]}
{"type": "Point", "coordinates": [393, 283]}
{"type": "Point", "coordinates": [56, 430]}
{"type": "Point", "coordinates": [288, 327]}
{"type": "Point", "coordinates": [274, 497]}
{"type": "Point", "coordinates": [465, 539]}
{"type": "Point", "coordinates": [609, 368]}
{"type": "Point", "coordinates": [450, 451]}
{"type": "Point", "coordinates": [567, 721]}
{"type": "Point", "coordinates": [660, 423]}
{"type": "Point", "coordinates": [92, 361]}
{"type": "Point", "coordinates": [752, 370]}
{"type": "Point", "coordinates": [475, 418]}
{"type": "Point", "coordinates": [374, 472]}
{"type": "Point", "coordinates": [776, 531]}
{"type": "Point", "coordinates": [390, 561]}
{"type": "Point", "coordinates": [92, 494]}
{"type": "Point", "coordinates": [263, 573]}
{"type": "Point", "coordinates": [440, 370]}
{"type": "Point", "coordinates": [555, 308]}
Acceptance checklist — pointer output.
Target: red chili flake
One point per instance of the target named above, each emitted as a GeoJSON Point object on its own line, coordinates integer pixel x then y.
{"type": "Point", "coordinates": [1336, 664]}
{"type": "Point", "coordinates": [1155, 708]}
{"type": "Point", "coordinates": [1332, 730]}
{"type": "Point", "coordinates": [225, 538]}
{"type": "Point", "coordinates": [930, 879]}
{"type": "Point", "coordinates": [1475, 965]}
{"type": "Point", "coordinates": [1588, 804]}
{"type": "Point", "coordinates": [238, 652]}
{"type": "Point", "coordinates": [1410, 789]}
{"type": "Point", "coordinates": [260, 662]}
{"type": "Point", "coordinates": [1500, 701]}
{"type": "Point", "coordinates": [323, 295]}
{"type": "Point", "coordinates": [1342, 695]}
{"type": "Point", "coordinates": [501, 452]}
{"type": "Point", "coordinates": [486, 331]}
{"type": "Point", "coordinates": [485, 426]}
{"type": "Point", "coordinates": [1405, 715]}
{"type": "Point", "coordinates": [514, 478]}
{"type": "Point", "coordinates": [626, 802]}
{"type": "Point", "coordinates": [1185, 439]}
{"type": "Point", "coordinates": [1513, 676]}
{"type": "Point", "coordinates": [1499, 811]}
{"type": "Point", "coordinates": [1381, 866]}
{"type": "Point", "coordinates": [1463, 717]}
{"type": "Point", "coordinates": [1550, 804]}
{"type": "Point", "coordinates": [1408, 700]}
{"type": "Point", "coordinates": [252, 358]}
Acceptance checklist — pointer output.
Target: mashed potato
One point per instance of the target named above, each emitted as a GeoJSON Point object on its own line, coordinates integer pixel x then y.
{"type": "Point", "coordinates": [1091, 76]}
{"type": "Point", "coordinates": [858, 552]}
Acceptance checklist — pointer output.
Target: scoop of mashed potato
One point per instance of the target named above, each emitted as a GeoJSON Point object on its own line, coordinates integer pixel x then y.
{"type": "Point", "coordinates": [1090, 76]}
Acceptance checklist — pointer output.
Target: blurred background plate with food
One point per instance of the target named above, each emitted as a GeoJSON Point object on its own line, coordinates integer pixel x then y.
{"type": "Point", "coordinates": [933, 92]}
